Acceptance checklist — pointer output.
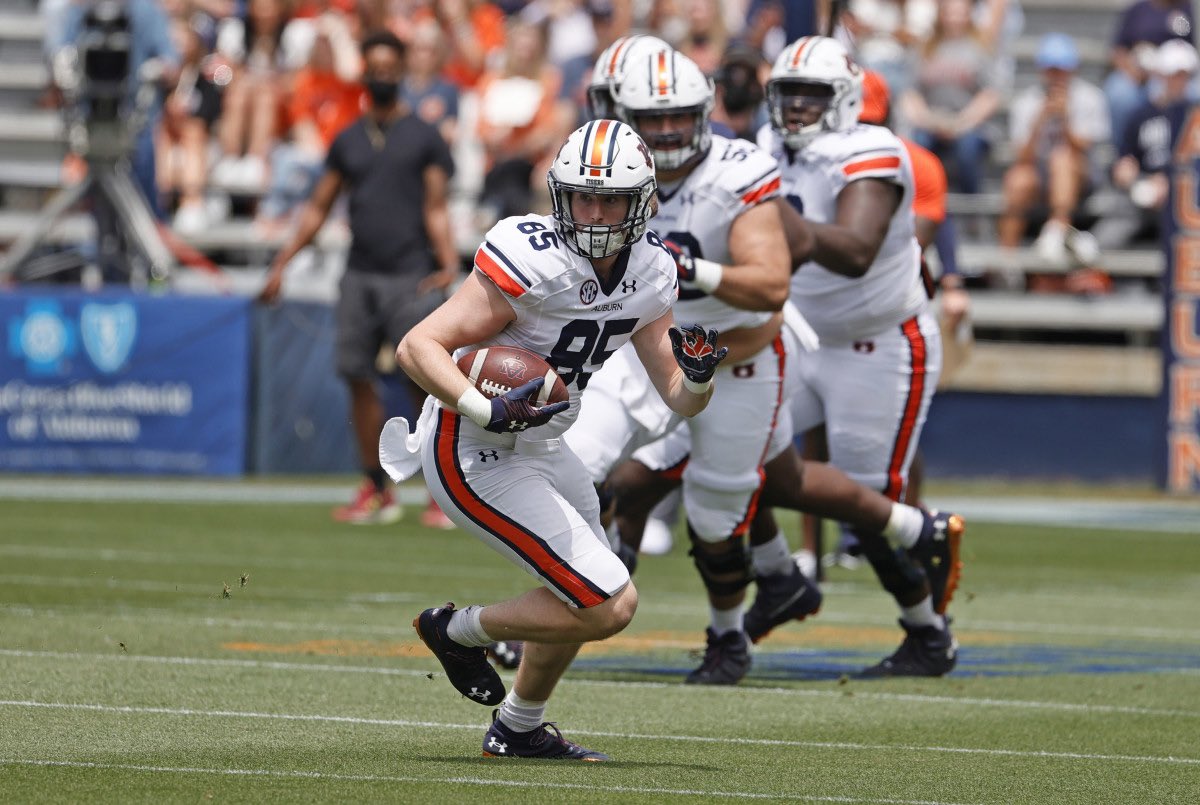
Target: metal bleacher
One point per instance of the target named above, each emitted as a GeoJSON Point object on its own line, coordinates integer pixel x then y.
{"type": "Point", "coordinates": [1112, 335]}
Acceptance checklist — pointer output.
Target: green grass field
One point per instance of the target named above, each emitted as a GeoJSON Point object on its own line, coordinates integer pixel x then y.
{"type": "Point", "coordinates": [257, 652]}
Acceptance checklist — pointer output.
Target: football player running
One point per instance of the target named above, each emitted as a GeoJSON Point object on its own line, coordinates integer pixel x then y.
{"type": "Point", "coordinates": [850, 188]}
{"type": "Point", "coordinates": [573, 286]}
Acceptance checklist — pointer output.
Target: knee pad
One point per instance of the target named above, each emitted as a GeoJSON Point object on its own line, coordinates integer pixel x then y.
{"type": "Point", "coordinates": [898, 574]}
{"type": "Point", "coordinates": [726, 573]}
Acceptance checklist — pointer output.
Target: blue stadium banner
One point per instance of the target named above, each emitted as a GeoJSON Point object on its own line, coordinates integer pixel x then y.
{"type": "Point", "coordinates": [123, 383]}
{"type": "Point", "coordinates": [1181, 336]}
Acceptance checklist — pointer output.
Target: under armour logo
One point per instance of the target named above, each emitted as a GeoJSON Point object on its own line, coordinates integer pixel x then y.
{"type": "Point", "coordinates": [628, 286]}
{"type": "Point", "coordinates": [516, 426]}
{"type": "Point", "coordinates": [497, 745]}
{"type": "Point", "coordinates": [865, 347]}
{"type": "Point", "coordinates": [481, 695]}
{"type": "Point", "coordinates": [486, 455]}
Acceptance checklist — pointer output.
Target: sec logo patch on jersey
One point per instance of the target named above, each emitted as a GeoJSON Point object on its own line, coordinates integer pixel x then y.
{"type": "Point", "coordinates": [497, 370]}
{"type": "Point", "coordinates": [588, 292]}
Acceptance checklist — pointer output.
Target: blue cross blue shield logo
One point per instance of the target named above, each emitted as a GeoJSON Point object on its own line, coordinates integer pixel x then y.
{"type": "Point", "coordinates": [44, 338]}
{"type": "Point", "coordinates": [108, 333]}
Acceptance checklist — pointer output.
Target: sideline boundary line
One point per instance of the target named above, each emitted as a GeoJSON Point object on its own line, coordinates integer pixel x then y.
{"type": "Point", "coordinates": [1165, 516]}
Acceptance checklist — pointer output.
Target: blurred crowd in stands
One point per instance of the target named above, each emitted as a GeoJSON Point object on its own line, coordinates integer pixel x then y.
{"type": "Point", "coordinates": [263, 86]}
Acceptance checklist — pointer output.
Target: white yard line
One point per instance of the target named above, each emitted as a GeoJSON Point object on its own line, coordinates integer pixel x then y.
{"type": "Point", "coordinates": [140, 585]}
{"type": "Point", "coordinates": [479, 781]}
{"type": "Point", "coordinates": [399, 722]}
{"type": "Point", "coordinates": [859, 694]}
{"type": "Point", "coordinates": [1168, 516]}
{"type": "Point", "coordinates": [648, 605]}
{"type": "Point", "coordinates": [170, 617]}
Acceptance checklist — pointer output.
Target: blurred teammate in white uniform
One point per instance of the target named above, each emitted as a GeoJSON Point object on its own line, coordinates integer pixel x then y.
{"type": "Point", "coordinates": [573, 287]}
{"type": "Point", "coordinates": [715, 211]}
{"type": "Point", "coordinates": [621, 410]}
{"type": "Point", "coordinates": [872, 378]}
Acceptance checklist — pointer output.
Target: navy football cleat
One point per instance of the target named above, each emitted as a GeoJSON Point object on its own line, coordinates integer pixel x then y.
{"type": "Point", "coordinates": [781, 598]}
{"type": "Point", "coordinates": [467, 667]}
{"type": "Point", "coordinates": [726, 659]}
{"type": "Point", "coordinates": [926, 651]}
{"type": "Point", "coordinates": [545, 742]}
{"type": "Point", "coordinates": [938, 552]}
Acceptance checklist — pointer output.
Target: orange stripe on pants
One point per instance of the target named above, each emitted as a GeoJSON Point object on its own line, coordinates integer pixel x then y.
{"type": "Point", "coordinates": [752, 508]}
{"type": "Point", "coordinates": [912, 408]}
{"type": "Point", "coordinates": [548, 565]}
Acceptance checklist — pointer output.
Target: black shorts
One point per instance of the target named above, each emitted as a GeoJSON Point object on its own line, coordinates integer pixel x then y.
{"type": "Point", "coordinates": [373, 310]}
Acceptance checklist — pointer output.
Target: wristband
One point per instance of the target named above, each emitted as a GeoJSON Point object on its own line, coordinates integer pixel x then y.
{"type": "Point", "coordinates": [697, 388]}
{"type": "Point", "coordinates": [475, 407]}
{"type": "Point", "coordinates": [708, 275]}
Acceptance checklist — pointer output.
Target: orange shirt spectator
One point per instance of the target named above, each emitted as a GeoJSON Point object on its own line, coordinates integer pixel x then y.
{"type": "Point", "coordinates": [929, 175]}
{"type": "Point", "coordinates": [518, 109]}
{"type": "Point", "coordinates": [929, 183]}
{"type": "Point", "coordinates": [521, 122]}
{"type": "Point", "coordinates": [325, 100]}
{"type": "Point", "coordinates": [474, 30]}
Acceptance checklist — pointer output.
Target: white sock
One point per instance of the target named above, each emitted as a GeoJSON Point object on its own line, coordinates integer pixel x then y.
{"type": "Point", "coordinates": [726, 620]}
{"type": "Point", "coordinates": [904, 526]}
{"type": "Point", "coordinates": [466, 629]}
{"type": "Point", "coordinates": [922, 614]}
{"type": "Point", "coordinates": [772, 557]}
{"type": "Point", "coordinates": [521, 715]}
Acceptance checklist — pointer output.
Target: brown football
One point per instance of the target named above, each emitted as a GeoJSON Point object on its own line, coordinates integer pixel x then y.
{"type": "Point", "coordinates": [496, 370]}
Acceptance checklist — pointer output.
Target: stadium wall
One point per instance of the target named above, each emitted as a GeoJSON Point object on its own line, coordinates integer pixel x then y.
{"type": "Point", "coordinates": [1042, 437]}
{"type": "Point", "coordinates": [263, 398]}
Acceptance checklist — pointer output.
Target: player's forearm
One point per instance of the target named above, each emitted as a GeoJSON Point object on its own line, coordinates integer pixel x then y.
{"type": "Point", "coordinates": [684, 401]}
{"type": "Point", "coordinates": [843, 250]}
{"type": "Point", "coordinates": [428, 364]}
{"type": "Point", "coordinates": [754, 286]}
{"type": "Point", "coordinates": [799, 234]}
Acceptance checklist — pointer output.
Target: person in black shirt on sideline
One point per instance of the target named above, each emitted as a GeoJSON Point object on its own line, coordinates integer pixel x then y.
{"type": "Point", "coordinates": [395, 168]}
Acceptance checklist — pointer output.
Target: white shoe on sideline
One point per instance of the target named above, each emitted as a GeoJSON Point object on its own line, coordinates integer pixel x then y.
{"type": "Point", "coordinates": [190, 218]}
{"type": "Point", "coordinates": [1083, 246]}
{"type": "Point", "coordinates": [1051, 244]}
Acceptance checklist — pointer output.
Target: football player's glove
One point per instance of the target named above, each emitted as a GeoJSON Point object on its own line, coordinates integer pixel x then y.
{"type": "Point", "coordinates": [685, 264]}
{"type": "Point", "coordinates": [696, 352]}
{"type": "Point", "coordinates": [512, 412]}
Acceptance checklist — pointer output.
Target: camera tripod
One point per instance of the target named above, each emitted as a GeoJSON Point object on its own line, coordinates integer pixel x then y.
{"type": "Point", "coordinates": [128, 241]}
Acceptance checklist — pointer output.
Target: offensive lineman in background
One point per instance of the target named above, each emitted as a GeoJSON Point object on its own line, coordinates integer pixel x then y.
{"type": "Point", "coordinates": [717, 214]}
{"type": "Point", "coordinates": [871, 381]}
{"type": "Point", "coordinates": [620, 410]}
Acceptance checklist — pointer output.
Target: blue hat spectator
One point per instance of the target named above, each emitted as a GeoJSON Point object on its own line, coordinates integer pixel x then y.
{"type": "Point", "coordinates": [1057, 52]}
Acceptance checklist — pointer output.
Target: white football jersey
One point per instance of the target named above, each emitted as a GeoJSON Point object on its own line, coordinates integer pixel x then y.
{"type": "Point", "coordinates": [564, 313]}
{"type": "Point", "coordinates": [697, 214]}
{"type": "Point", "coordinates": [844, 309]}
